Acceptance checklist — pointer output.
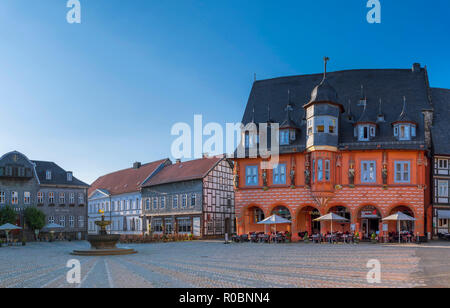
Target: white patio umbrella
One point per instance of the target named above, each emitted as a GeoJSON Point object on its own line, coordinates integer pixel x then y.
{"type": "Point", "coordinates": [7, 228]}
{"type": "Point", "coordinates": [274, 220]}
{"type": "Point", "coordinates": [398, 218]}
{"type": "Point", "coordinates": [51, 227]}
{"type": "Point", "coordinates": [332, 217]}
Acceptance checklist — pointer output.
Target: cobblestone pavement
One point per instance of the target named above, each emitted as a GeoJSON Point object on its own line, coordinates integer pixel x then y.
{"type": "Point", "coordinates": [210, 264]}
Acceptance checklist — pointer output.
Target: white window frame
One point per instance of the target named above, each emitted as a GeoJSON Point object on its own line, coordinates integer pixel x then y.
{"type": "Point", "coordinates": [48, 175]}
{"type": "Point", "coordinates": [175, 202]}
{"type": "Point", "coordinates": [62, 221]}
{"type": "Point", "coordinates": [72, 198]}
{"type": "Point", "coordinates": [40, 197]}
{"type": "Point", "coordinates": [26, 197]}
{"type": "Point", "coordinates": [71, 221]}
{"type": "Point", "coordinates": [444, 163]}
{"type": "Point", "coordinates": [184, 201]}
{"type": "Point", "coordinates": [14, 198]}
{"type": "Point", "coordinates": [51, 197]}
{"type": "Point", "coordinates": [443, 188]}
{"type": "Point", "coordinates": [162, 204]}
{"type": "Point", "coordinates": [62, 198]}
{"type": "Point", "coordinates": [193, 200]}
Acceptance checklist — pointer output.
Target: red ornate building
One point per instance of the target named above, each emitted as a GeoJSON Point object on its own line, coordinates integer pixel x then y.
{"type": "Point", "coordinates": [357, 145]}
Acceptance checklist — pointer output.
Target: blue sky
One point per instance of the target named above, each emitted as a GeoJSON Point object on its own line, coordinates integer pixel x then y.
{"type": "Point", "coordinates": [95, 97]}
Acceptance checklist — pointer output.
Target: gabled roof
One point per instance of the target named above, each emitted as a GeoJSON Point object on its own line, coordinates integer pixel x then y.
{"type": "Point", "coordinates": [184, 171]}
{"type": "Point", "coordinates": [389, 85]}
{"type": "Point", "coordinates": [440, 130]}
{"type": "Point", "coordinates": [59, 175]}
{"type": "Point", "coordinates": [127, 180]}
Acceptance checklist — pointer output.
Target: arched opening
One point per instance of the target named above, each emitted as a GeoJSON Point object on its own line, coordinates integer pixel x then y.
{"type": "Point", "coordinates": [405, 226]}
{"type": "Point", "coordinates": [343, 227]}
{"type": "Point", "coordinates": [284, 212]}
{"type": "Point", "coordinates": [255, 214]}
{"type": "Point", "coordinates": [306, 223]}
{"type": "Point", "coordinates": [370, 218]}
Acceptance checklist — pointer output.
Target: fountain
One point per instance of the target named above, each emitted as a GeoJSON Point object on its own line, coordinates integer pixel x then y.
{"type": "Point", "coordinates": [103, 244]}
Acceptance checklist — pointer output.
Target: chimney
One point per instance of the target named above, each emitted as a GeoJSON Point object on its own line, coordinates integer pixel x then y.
{"type": "Point", "coordinates": [137, 165]}
{"type": "Point", "coordinates": [428, 115]}
{"type": "Point", "coordinates": [416, 68]}
{"type": "Point", "coordinates": [178, 161]}
{"type": "Point", "coordinates": [205, 155]}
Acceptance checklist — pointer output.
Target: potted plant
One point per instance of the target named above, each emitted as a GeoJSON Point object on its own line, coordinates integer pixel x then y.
{"type": "Point", "coordinates": [306, 238]}
{"type": "Point", "coordinates": [356, 238]}
{"type": "Point", "coordinates": [288, 237]}
{"type": "Point", "coordinates": [373, 237]}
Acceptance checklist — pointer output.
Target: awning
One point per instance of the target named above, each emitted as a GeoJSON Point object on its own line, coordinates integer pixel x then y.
{"type": "Point", "coordinates": [443, 214]}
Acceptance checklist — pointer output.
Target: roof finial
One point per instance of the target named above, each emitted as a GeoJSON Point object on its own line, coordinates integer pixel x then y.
{"type": "Point", "coordinates": [325, 60]}
{"type": "Point", "coordinates": [380, 112]}
{"type": "Point", "coordinates": [254, 77]}
{"type": "Point", "coordinates": [349, 111]}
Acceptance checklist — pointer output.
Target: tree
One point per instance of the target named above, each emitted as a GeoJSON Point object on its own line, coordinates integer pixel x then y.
{"type": "Point", "coordinates": [34, 218]}
{"type": "Point", "coordinates": [8, 215]}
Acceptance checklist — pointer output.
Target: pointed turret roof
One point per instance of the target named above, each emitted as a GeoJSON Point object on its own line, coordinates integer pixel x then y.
{"type": "Point", "coordinates": [288, 122]}
{"type": "Point", "coordinates": [324, 92]}
{"type": "Point", "coordinates": [403, 115]}
{"type": "Point", "coordinates": [365, 118]}
{"type": "Point", "coordinates": [350, 116]}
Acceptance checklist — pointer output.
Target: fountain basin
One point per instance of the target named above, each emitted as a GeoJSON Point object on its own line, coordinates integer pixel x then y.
{"type": "Point", "coordinates": [107, 241]}
{"type": "Point", "coordinates": [103, 244]}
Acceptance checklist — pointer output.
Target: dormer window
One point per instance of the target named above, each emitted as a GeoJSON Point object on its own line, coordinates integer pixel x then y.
{"type": "Point", "coordinates": [48, 175]}
{"type": "Point", "coordinates": [69, 176]}
{"type": "Point", "coordinates": [365, 132]}
{"type": "Point", "coordinates": [284, 137]}
{"type": "Point", "coordinates": [404, 128]}
{"type": "Point", "coordinates": [405, 131]}
{"type": "Point", "coordinates": [251, 140]}
{"type": "Point", "coordinates": [287, 136]}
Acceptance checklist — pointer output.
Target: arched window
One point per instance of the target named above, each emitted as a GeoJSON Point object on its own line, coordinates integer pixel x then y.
{"type": "Point", "coordinates": [258, 214]}
{"type": "Point", "coordinates": [282, 212]}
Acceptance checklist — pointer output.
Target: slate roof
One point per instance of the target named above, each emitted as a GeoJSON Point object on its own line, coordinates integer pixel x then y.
{"type": "Point", "coordinates": [440, 130]}
{"type": "Point", "coordinates": [59, 175]}
{"type": "Point", "coordinates": [389, 85]}
{"type": "Point", "coordinates": [127, 180]}
{"type": "Point", "coordinates": [184, 171]}
{"type": "Point", "coordinates": [365, 117]}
